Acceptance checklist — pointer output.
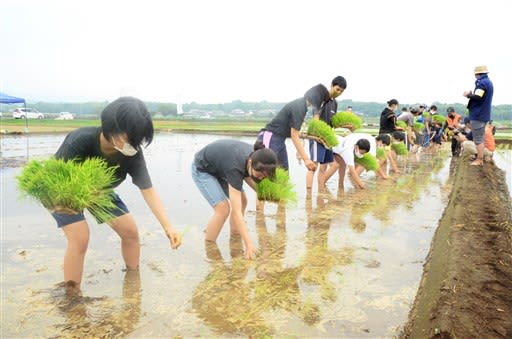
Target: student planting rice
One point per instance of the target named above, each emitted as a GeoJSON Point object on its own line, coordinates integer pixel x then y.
{"type": "Point", "coordinates": [288, 122]}
{"type": "Point", "coordinates": [354, 145]}
{"type": "Point", "coordinates": [219, 171]}
{"type": "Point", "coordinates": [317, 151]}
{"type": "Point", "coordinates": [125, 126]}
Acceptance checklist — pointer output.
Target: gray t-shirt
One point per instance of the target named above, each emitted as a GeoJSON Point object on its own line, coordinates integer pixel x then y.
{"type": "Point", "coordinates": [84, 143]}
{"type": "Point", "coordinates": [225, 159]}
{"type": "Point", "coordinates": [407, 117]}
{"type": "Point", "coordinates": [291, 115]}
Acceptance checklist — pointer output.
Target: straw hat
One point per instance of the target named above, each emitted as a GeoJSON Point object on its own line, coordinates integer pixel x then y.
{"type": "Point", "coordinates": [481, 69]}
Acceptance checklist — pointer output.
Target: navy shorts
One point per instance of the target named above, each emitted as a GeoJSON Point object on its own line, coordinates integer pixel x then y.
{"type": "Point", "coordinates": [277, 144]}
{"type": "Point", "coordinates": [66, 219]}
{"type": "Point", "coordinates": [318, 153]}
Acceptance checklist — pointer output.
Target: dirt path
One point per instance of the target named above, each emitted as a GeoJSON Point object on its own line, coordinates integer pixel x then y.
{"type": "Point", "coordinates": [466, 288]}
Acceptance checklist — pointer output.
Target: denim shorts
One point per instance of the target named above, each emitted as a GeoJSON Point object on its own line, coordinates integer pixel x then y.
{"type": "Point", "coordinates": [66, 219]}
{"type": "Point", "coordinates": [214, 190]}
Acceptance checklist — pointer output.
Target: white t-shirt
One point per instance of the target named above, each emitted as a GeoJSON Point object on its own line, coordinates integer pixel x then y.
{"type": "Point", "coordinates": [345, 148]}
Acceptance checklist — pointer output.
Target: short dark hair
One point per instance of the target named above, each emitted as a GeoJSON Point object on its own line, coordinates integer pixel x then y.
{"type": "Point", "coordinates": [264, 159]}
{"type": "Point", "coordinates": [385, 138]}
{"type": "Point", "coordinates": [317, 95]}
{"type": "Point", "coordinates": [393, 102]}
{"type": "Point", "coordinates": [363, 144]}
{"type": "Point", "coordinates": [128, 115]}
{"type": "Point", "coordinates": [339, 81]}
{"type": "Point", "coordinates": [434, 107]}
{"type": "Point", "coordinates": [397, 135]}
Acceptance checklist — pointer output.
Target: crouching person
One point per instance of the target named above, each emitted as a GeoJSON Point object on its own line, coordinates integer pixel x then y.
{"type": "Point", "coordinates": [219, 171]}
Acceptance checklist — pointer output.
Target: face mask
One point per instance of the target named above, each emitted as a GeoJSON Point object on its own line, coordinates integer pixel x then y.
{"type": "Point", "coordinates": [358, 155]}
{"type": "Point", "coordinates": [127, 150]}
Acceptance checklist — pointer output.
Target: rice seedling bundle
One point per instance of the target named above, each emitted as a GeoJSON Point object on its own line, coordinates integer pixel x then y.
{"type": "Point", "coordinates": [418, 126]}
{"type": "Point", "coordinates": [68, 186]}
{"type": "Point", "coordinates": [368, 161]}
{"type": "Point", "coordinates": [399, 148]}
{"type": "Point", "coordinates": [381, 153]}
{"type": "Point", "coordinates": [278, 189]}
{"type": "Point", "coordinates": [322, 130]}
{"type": "Point", "coordinates": [438, 118]}
{"type": "Point", "coordinates": [346, 119]}
{"type": "Point", "coordinates": [401, 123]}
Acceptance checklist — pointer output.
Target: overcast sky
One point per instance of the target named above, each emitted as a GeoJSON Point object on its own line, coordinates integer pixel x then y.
{"type": "Point", "coordinates": [215, 51]}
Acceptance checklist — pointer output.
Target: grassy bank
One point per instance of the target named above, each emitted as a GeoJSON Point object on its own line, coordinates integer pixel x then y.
{"type": "Point", "coordinates": [20, 126]}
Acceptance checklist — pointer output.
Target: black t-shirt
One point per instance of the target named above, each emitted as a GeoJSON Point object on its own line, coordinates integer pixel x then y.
{"type": "Point", "coordinates": [328, 111]}
{"type": "Point", "coordinates": [290, 116]}
{"type": "Point", "coordinates": [84, 143]}
{"type": "Point", "coordinates": [225, 159]}
{"type": "Point", "coordinates": [387, 121]}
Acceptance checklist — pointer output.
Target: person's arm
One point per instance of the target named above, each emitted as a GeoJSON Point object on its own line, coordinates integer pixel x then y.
{"type": "Point", "coordinates": [391, 157]}
{"type": "Point", "coordinates": [353, 174]}
{"type": "Point", "coordinates": [237, 218]}
{"type": "Point", "coordinates": [295, 135]}
{"type": "Point", "coordinates": [155, 204]}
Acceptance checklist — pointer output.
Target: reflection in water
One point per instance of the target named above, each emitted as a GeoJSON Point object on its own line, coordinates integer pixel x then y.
{"type": "Point", "coordinates": [277, 286]}
{"type": "Point", "coordinates": [319, 260]}
{"type": "Point", "coordinates": [223, 298]}
{"type": "Point", "coordinates": [94, 317]}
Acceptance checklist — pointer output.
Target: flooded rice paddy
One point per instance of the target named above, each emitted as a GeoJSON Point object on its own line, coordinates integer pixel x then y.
{"type": "Point", "coordinates": [335, 264]}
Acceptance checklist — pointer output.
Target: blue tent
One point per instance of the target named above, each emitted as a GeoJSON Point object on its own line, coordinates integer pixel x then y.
{"type": "Point", "coordinates": [8, 99]}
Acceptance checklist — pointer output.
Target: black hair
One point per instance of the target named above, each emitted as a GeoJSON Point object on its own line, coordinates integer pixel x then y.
{"type": "Point", "coordinates": [363, 144]}
{"type": "Point", "coordinates": [397, 135]}
{"type": "Point", "coordinates": [392, 102]}
{"type": "Point", "coordinates": [317, 95]}
{"type": "Point", "coordinates": [434, 107]}
{"type": "Point", "coordinates": [263, 159]}
{"type": "Point", "coordinates": [339, 81]}
{"type": "Point", "coordinates": [450, 110]}
{"type": "Point", "coordinates": [385, 138]}
{"type": "Point", "coordinates": [128, 115]}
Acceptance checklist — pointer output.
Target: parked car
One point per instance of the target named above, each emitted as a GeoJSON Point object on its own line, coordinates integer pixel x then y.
{"type": "Point", "coordinates": [65, 116]}
{"type": "Point", "coordinates": [23, 113]}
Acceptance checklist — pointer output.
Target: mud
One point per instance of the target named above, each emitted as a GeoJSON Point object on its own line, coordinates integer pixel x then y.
{"type": "Point", "coordinates": [465, 291]}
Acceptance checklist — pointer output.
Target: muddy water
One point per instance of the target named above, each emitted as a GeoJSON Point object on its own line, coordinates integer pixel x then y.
{"type": "Point", "coordinates": [335, 264]}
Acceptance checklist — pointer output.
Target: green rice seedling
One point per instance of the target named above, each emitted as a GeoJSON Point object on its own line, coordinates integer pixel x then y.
{"type": "Point", "coordinates": [368, 161]}
{"type": "Point", "coordinates": [400, 123]}
{"type": "Point", "coordinates": [381, 153]}
{"type": "Point", "coordinates": [418, 126]}
{"type": "Point", "coordinates": [70, 186]}
{"type": "Point", "coordinates": [344, 119]}
{"type": "Point", "coordinates": [278, 189]}
{"type": "Point", "coordinates": [320, 129]}
{"type": "Point", "coordinates": [399, 148]}
{"type": "Point", "coordinates": [438, 118]}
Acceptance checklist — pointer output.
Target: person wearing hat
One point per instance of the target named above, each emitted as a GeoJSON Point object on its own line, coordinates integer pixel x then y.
{"type": "Point", "coordinates": [479, 106]}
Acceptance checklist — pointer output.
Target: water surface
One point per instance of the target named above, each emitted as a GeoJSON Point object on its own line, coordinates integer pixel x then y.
{"type": "Point", "coordinates": [335, 264]}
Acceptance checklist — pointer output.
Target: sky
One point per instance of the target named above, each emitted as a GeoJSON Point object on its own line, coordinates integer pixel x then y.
{"type": "Point", "coordinates": [216, 51]}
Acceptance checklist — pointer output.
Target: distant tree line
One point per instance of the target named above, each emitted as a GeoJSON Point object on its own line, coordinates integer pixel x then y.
{"type": "Point", "coordinates": [370, 109]}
